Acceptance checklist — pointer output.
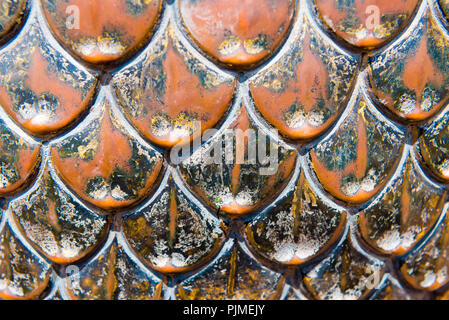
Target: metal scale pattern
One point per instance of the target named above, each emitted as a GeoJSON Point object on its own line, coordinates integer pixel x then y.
{"type": "Point", "coordinates": [93, 207]}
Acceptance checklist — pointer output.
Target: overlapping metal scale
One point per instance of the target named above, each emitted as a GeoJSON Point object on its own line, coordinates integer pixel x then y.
{"type": "Point", "coordinates": [352, 95]}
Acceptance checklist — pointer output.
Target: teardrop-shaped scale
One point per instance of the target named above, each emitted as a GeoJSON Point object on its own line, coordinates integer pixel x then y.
{"type": "Point", "coordinates": [355, 161]}
{"type": "Point", "coordinates": [241, 168]}
{"type": "Point", "coordinates": [99, 31]}
{"type": "Point", "coordinates": [103, 162]}
{"type": "Point", "coordinates": [114, 274]}
{"type": "Point", "coordinates": [173, 233]}
{"type": "Point", "coordinates": [56, 223]}
{"type": "Point", "coordinates": [168, 94]}
{"type": "Point", "coordinates": [239, 33]}
{"type": "Point", "coordinates": [233, 275]}
{"type": "Point", "coordinates": [405, 211]}
{"type": "Point", "coordinates": [42, 88]}
{"type": "Point", "coordinates": [297, 227]}
{"type": "Point", "coordinates": [366, 23]}
{"type": "Point", "coordinates": [302, 92]}
{"type": "Point", "coordinates": [411, 76]}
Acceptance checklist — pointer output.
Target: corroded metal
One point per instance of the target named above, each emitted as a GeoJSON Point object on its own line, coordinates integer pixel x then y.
{"type": "Point", "coordinates": [405, 213]}
{"type": "Point", "coordinates": [393, 71]}
{"type": "Point", "coordinates": [99, 33]}
{"type": "Point", "coordinates": [305, 89]}
{"type": "Point", "coordinates": [19, 157]}
{"type": "Point", "coordinates": [118, 169]}
{"type": "Point", "coordinates": [224, 149]}
{"type": "Point", "coordinates": [172, 233]}
{"type": "Point", "coordinates": [169, 94]}
{"type": "Point", "coordinates": [355, 161]}
{"type": "Point", "coordinates": [41, 88]}
{"type": "Point", "coordinates": [355, 21]}
{"type": "Point", "coordinates": [347, 273]}
{"type": "Point", "coordinates": [236, 32]}
{"type": "Point", "coordinates": [113, 274]}
{"type": "Point", "coordinates": [298, 228]}
{"type": "Point", "coordinates": [232, 275]}
{"type": "Point", "coordinates": [233, 187]}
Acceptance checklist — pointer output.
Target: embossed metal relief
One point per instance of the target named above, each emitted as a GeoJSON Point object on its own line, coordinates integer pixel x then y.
{"type": "Point", "coordinates": [224, 150]}
{"type": "Point", "coordinates": [236, 32]}
{"type": "Point", "coordinates": [104, 33]}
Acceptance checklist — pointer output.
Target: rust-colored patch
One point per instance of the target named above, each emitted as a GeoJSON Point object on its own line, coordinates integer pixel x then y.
{"type": "Point", "coordinates": [238, 32]}
{"type": "Point", "coordinates": [237, 186]}
{"type": "Point", "coordinates": [356, 161]}
{"type": "Point", "coordinates": [171, 233]}
{"type": "Point", "coordinates": [19, 159]}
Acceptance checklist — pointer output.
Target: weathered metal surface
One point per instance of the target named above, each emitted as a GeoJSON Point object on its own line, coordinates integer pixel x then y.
{"type": "Point", "coordinates": [123, 174]}
{"type": "Point", "coordinates": [106, 32]}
